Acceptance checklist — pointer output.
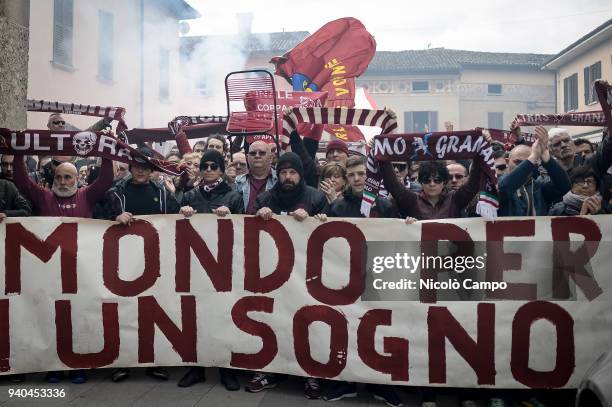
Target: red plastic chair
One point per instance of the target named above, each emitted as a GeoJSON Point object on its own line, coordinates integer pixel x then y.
{"type": "Point", "coordinates": [241, 85]}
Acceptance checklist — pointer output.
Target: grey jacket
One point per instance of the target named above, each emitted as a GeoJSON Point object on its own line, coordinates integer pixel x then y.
{"type": "Point", "coordinates": [242, 185]}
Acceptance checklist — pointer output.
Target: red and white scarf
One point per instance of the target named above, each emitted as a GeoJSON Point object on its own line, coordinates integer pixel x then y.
{"type": "Point", "coordinates": [114, 113]}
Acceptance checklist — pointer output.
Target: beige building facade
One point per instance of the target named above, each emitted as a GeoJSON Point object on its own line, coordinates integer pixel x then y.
{"type": "Point", "coordinates": [577, 67]}
{"type": "Point", "coordinates": [114, 53]}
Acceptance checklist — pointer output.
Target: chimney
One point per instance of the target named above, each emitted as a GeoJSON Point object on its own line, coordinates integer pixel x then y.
{"type": "Point", "coordinates": [245, 21]}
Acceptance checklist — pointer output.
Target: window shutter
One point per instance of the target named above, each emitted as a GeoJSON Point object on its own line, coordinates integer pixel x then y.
{"type": "Point", "coordinates": [574, 91]}
{"type": "Point", "coordinates": [62, 31]}
{"type": "Point", "coordinates": [587, 86]}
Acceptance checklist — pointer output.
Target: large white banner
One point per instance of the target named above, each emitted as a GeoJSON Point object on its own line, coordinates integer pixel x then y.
{"type": "Point", "coordinates": [284, 296]}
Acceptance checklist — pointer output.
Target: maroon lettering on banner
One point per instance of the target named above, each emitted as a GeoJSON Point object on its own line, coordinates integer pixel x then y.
{"type": "Point", "coordinates": [5, 336]}
{"type": "Point", "coordinates": [269, 347]}
{"type": "Point", "coordinates": [219, 271]}
{"type": "Point", "coordinates": [314, 263]}
{"type": "Point", "coordinates": [253, 281]}
{"type": "Point", "coordinates": [184, 341]}
{"type": "Point", "coordinates": [568, 263]}
{"type": "Point", "coordinates": [64, 335]}
{"type": "Point", "coordinates": [480, 354]}
{"type": "Point", "coordinates": [499, 261]}
{"type": "Point", "coordinates": [397, 363]}
{"type": "Point", "coordinates": [64, 237]}
{"type": "Point", "coordinates": [521, 333]}
{"type": "Point", "coordinates": [431, 233]}
{"type": "Point", "coordinates": [302, 320]}
{"type": "Point", "coordinates": [110, 258]}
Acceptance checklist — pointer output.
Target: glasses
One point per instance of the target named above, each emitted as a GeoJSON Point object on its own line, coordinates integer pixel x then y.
{"type": "Point", "coordinates": [501, 167]}
{"type": "Point", "coordinates": [211, 166]}
{"type": "Point", "coordinates": [429, 180]}
{"type": "Point", "coordinates": [457, 176]}
{"type": "Point", "coordinates": [400, 167]}
{"type": "Point", "coordinates": [557, 143]}
{"type": "Point", "coordinates": [58, 122]}
{"type": "Point", "coordinates": [238, 164]}
{"type": "Point", "coordinates": [588, 182]}
{"type": "Point", "coordinates": [254, 153]}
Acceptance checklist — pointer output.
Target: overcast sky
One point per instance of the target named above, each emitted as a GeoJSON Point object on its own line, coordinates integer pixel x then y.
{"type": "Point", "coordinates": [481, 25]}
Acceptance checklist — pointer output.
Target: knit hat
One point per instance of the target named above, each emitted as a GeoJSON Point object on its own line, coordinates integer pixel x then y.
{"type": "Point", "coordinates": [290, 160]}
{"type": "Point", "coordinates": [337, 144]}
{"type": "Point", "coordinates": [214, 156]}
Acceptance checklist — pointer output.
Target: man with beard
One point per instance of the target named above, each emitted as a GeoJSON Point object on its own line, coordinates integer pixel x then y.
{"type": "Point", "coordinates": [64, 198]}
{"type": "Point", "coordinates": [289, 196]}
{"type": "Point", "coordinates": [212, 195]}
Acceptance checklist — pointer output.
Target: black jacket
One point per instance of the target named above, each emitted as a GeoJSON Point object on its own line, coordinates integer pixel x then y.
{"type": "Point", "coordinates": [205, 202]}
{"type": "Point", "coordinates": [349, 206]}
{"type": "Point", "coordinates": [12, 203]}
{"type": "Point", "coordinates": [313, 201]}
{"type": "Point", "coordinates": [116, 201]}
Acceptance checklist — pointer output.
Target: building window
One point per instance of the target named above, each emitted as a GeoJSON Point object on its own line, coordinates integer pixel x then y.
{"type": "Point", "coordinates": [105, 45]}
{"type": "Point", "coordinates": [591, 73]}
{"type": "Point", "coordinates": [420, 86]}
{"type": "Point", "coordinates": [494, 89]}
{"type": "Point", "coordinates": [164, 74]}
{"type": "Point", "coordinates": [495, 120]}
{"type": "Point", "coordinates": [570, 93]}
{"type": "Point", "coordinates": [62, 32]}
{"type": "Point", "coordinates": [420, 122]}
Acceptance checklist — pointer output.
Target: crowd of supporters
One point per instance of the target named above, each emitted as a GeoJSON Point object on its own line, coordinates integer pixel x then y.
{"type": "Point", "coordinates": [556, 176]}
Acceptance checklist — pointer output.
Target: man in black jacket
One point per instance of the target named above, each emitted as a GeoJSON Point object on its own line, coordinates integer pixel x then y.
{"type": "Point", "coordinates": [349, 205]}
{"type": "Point", "coordinates": [289, 196]}
{"type": "Point", "coordinates": [213, 195]}
{"type": "Point", "coordinates": [138, 195]}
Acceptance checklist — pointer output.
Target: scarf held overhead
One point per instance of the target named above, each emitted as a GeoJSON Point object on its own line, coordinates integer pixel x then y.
{"type": "Point", "coordinates": [452, 145]}
{"type": "Point", "coordinates": [76, 143]}
{"type": "Point", "coordinates": [110, 112]}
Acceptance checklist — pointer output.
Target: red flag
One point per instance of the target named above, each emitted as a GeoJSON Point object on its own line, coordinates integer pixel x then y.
{"type": "Point", "coordinates": [344, 133]}
{"type": "Point", "coordinates": [330, 59]}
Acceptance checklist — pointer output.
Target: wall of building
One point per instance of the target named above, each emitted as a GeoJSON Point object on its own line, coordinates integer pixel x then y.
{"type": "Point", "coordinates": [80, 83]}
{"type": "Point", "coordinates": [603, 53]}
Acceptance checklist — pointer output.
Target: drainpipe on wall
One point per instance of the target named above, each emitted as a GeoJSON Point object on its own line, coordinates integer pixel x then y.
{"type": "Point", "coordinates": [141, 96]}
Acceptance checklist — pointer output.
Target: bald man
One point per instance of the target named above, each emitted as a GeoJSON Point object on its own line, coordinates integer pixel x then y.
{"type": "Point", "coordinates": [64, 198]}
{"type": "Point", "coordinates": [457, 174]}
{"type": "Point", "coordinates": [522, 192]}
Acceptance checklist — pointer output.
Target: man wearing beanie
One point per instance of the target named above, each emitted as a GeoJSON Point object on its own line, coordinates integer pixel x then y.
{"type": "Point", "coordinates": [289, 196]}
{"type": "Point", "coordinates": [213, 195]}
{"type": "Point", "coordinates": [136, 195]}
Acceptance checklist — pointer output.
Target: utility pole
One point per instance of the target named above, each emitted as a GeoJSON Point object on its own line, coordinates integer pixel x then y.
{"type": "Point", "coordinates": [14, 46]}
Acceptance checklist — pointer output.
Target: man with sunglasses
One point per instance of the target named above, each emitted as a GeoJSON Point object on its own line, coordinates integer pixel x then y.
{"type": "Point", "coordinates": [457, 175]}
{"type": "Point", "coordinates": [260, 177]}
{"type": "Point", "coordinates": [212, 195]}
{"type": "Point", "coordinates": [523, 192]}
{"type": "Point", "coordinates": [56, 122]}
